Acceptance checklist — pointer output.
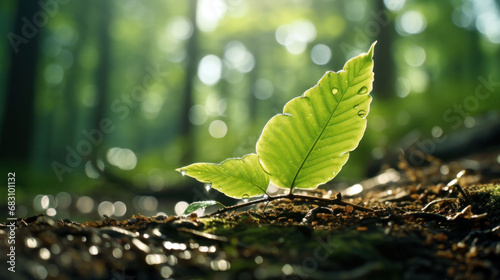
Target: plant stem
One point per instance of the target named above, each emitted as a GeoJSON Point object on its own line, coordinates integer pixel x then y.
{"type": "Point", "coordinates": [337, 201]}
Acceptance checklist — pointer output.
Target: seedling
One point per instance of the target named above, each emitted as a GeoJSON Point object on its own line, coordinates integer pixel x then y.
{"type": "Point", "coordinates": [303, 147]}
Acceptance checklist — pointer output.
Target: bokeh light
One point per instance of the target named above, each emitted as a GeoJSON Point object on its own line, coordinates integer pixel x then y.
{"type": "Point", "coordinates": [198, 114]}
{"type": "Point", "coordinates": [415, 56]}
{"type": "Point", "coordinates": [394, 5]}
{"type": "Point", "coordinates": [106, 208]}
{"type": "Point", "coordinates": [180, 28]}
{"type": "Point", "coordinates": [321, 54]}
{"type": "Point", "coordinates": [263, 89]}
{"type": "Point", "coordinates": [91, 171]}
{"type": "Point", "coordinates": [217, 129]}
{"type": "Point", "coordinates": [85, 204]}
{"type": "Point", "coordinates": [410, 23]}
{"type": "Point", "coordinates": [210, 69]}
{"type": "Point", "coordinates": [296, 35]}
{"type": "Point", "coordinates": [124, 159]}
{"type": "Point", "coordinates": [236, 56]}
{"type": "Point", "coordinates": [180, 207]}
{"type": "Point", "coordinates": [54, 74]}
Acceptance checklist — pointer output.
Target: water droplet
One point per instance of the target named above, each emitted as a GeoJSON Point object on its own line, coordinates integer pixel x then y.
{"type": "Point", "coordinates": [265, 196]}
{"type": "Point", "coordinates": [183, 172]}
{"type": "Point", "coordinates": [356, 107]}
{"type": "Point", "coordinates": [335, 91]}
{"type": "Point", "coordinates": [245, 198]}
{"type": "Point", "coordinates": [208, 186]}
{"type": "Point", "coordinates": [363, 90]}
{"type": "Point", "coordinates": [361, 113]}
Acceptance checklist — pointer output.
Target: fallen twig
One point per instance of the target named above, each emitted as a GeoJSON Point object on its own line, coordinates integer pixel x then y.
{"type": "Point", "coordinates": [436, 201]}
{"type": "Point", "coordinates": [427, 216]}
{"type": "Point", "coordinates": [337, 201]}
{"type": "Point", "coordinates": [454, 183]}
{"type": "Point", "coordinates": [204, 235]}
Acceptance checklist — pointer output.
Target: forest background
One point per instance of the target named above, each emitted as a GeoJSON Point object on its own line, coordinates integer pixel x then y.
{"type": "Point", "coordinates": [102, 100]}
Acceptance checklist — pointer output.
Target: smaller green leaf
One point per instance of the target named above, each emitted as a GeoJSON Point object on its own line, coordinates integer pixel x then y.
{"type": "Point", "coordinates": [198, 205]}
{"type": "Point", "coordinates": [234, 177]}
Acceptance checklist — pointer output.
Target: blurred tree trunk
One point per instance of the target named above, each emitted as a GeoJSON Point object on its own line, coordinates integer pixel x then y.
{"type": "Point", "coordinates": [252, 100]}
{"type": "Point", "coordinates": [102, 76]}
{"type": "Point", "coordinates": [384, 63]}
{"type": "Point", "coordinates": [191, 68]}
{"type": "Point", "coordinates": [71, 90]}
{"type": "Point", "coordinates": [474, 65]}
{"type": "Point", "coordinates": [103, 67]}
{"type": "Point", "coordinates": [253, 77]}
{"type": "Point", "coordinates": [18, 120]}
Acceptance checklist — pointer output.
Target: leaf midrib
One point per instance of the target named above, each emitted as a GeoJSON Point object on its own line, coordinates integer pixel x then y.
{"type": "Point", "coordinates": [319, 136]}
{"type": "Point", "coordinates": [243, 179]}
{"type": "Point", "coordinates": [315, 142]}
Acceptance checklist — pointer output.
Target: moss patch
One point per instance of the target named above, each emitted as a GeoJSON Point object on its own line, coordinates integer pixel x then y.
{"type": "Point", "coordinates": [485, 198]}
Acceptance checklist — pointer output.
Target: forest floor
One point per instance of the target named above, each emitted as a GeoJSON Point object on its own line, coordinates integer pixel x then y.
{"type": "Point", "coordinates": [426, 223]}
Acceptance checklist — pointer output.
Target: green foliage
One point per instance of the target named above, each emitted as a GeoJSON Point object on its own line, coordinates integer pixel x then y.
{"type": "Point", "coordinates": [309, 143]}
{"type": "Point", "coordinates": [485, 197]}
{"type": "Point", "coordinates": [235, 177]}
{"type": "Point", "coordinates": [199, 204]}
{"type": "Point", "coordinates": [305, 146]}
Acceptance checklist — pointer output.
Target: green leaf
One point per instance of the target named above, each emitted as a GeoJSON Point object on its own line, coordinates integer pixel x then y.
{"type": "Point", "coordinates": [309, 143]}
{"type": "Point", "coordinates": [199, 204]}
{"type": "Point", "coordinates": [235, 177]}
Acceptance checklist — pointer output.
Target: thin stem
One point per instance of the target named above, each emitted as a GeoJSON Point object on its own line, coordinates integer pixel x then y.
{"type": "Point", "coordinates": [291, 196]}
{"type": "Point", "coordinates": [454, 183]}
{"type": "Point", "coordinates": [464, 194]}
{"type": "Point", "coordinates": [426, 215]}
{"type": "Point", "coordinates": [436, 201]}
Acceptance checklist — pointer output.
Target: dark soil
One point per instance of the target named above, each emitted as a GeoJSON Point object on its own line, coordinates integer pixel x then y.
{"type": "Point", "coordinates": [422, 227]}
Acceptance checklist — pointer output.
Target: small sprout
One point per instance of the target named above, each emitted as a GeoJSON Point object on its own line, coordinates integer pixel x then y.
{"type": "Point", "coordinates": [200, 205]}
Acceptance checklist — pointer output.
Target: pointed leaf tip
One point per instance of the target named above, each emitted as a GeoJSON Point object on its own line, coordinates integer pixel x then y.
{"type": "Point", "coordinates": [371, 50]}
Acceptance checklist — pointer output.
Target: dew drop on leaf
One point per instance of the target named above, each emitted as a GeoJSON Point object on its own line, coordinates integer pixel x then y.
{"type": "Point", "coordinates": [361, 113]}
{"type": "Point", "coordinates": [208, 186]}
{"type": "Point", "coordinates": [245, 198]}
{"type": "Point", "coordinates": [356, 107]}
{"type": "Point", "coordinates": [183, 172]}
{"type": "Point", "coordinates": [335, 91]}
{"type": "Point", "coordinates": [363, 90]}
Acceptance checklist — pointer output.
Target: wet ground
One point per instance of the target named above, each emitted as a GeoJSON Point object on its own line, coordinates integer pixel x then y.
{"type": "Point", "coordinates": [426, 224]}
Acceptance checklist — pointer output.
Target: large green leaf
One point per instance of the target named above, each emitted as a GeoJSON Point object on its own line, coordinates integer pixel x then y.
{"type": "Point", "coordinates": [309, 143]}
{"type": "Point", "coordinates": [235, 177]}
